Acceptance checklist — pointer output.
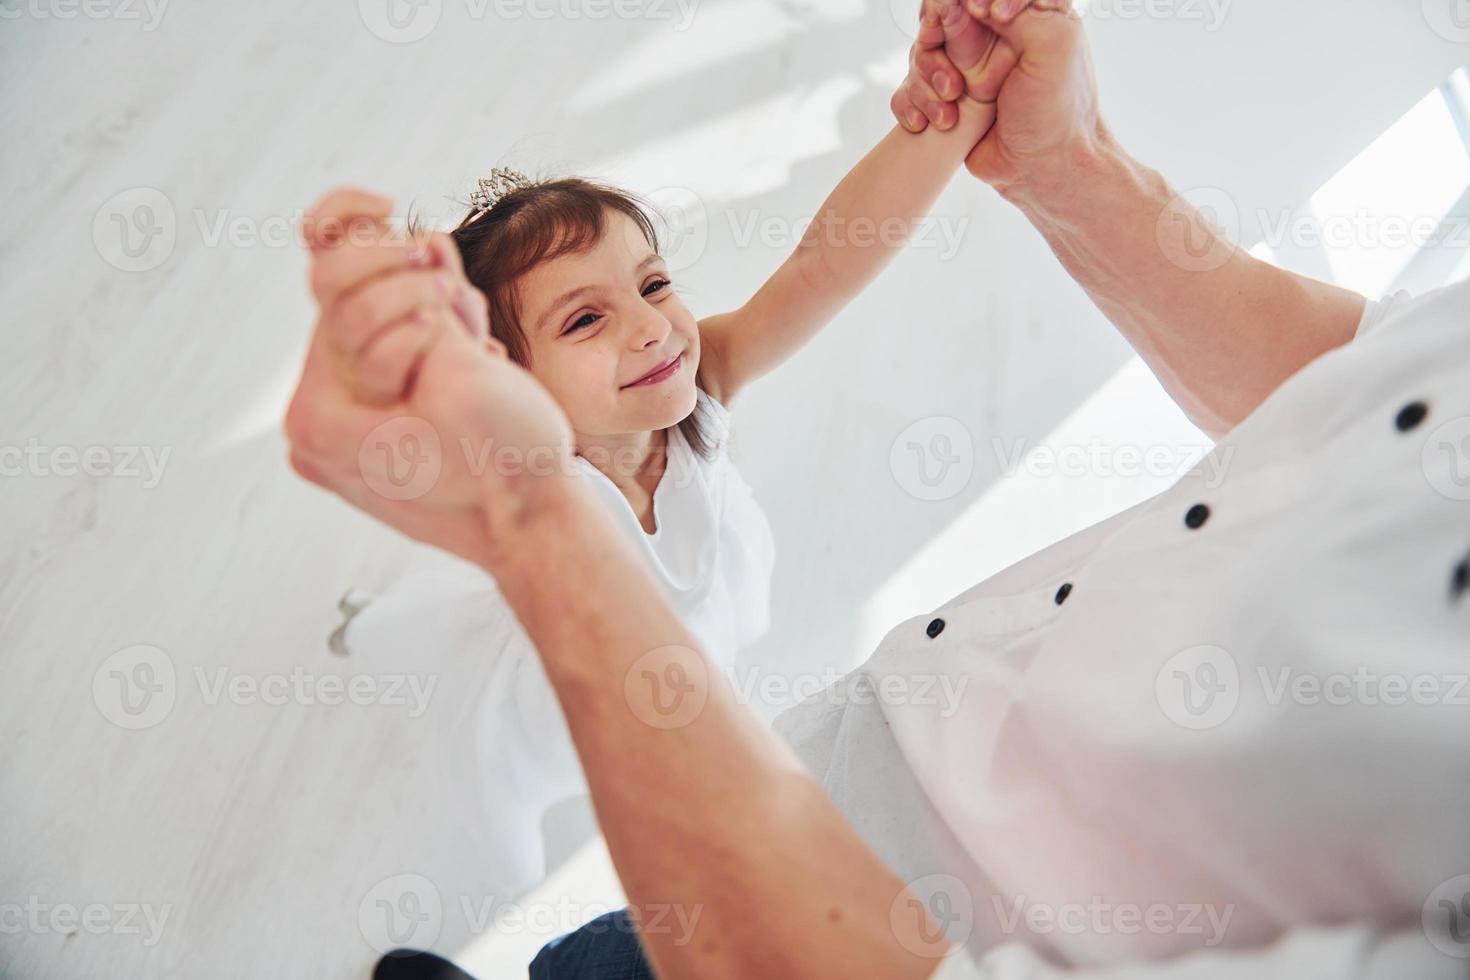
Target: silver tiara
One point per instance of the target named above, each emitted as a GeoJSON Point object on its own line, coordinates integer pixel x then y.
{"type": "Point", "coordinates": [493, 189]}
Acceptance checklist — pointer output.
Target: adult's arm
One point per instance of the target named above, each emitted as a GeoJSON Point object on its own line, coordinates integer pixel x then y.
{"type": "Point", "coordinates": [1220, 328]}
{"type": "Point", "coordinates": [734, 860]}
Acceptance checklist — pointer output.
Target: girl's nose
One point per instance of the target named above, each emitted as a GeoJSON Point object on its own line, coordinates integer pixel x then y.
{"type": "Point", "coordinates": [650, 329]}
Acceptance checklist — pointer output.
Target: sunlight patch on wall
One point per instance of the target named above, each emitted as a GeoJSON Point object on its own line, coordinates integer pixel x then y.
{"type": "Point", "coordinates": [717, 36]}
{"type": "Point", "coordinates": [742, 153]}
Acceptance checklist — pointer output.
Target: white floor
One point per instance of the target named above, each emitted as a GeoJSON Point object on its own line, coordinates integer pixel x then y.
{"type": "Point", "coordinates": [178, 797]}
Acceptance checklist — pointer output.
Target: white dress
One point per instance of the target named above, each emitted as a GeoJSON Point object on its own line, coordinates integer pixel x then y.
{"type": "Point", "coordinates": [503, 749]}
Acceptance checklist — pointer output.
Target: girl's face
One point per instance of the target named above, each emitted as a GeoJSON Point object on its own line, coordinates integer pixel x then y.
{"type": "Point", "coordinates": [609, 337]}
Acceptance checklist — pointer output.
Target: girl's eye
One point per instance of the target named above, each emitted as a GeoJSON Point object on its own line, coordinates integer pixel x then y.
{"type": "Point", "coordinates": [585, 321]}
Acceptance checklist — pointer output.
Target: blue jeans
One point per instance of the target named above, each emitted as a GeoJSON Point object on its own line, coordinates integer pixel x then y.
{"type": "Point", "coordinates": [604, 949]}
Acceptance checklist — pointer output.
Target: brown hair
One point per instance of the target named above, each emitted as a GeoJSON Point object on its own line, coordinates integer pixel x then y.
{"type": "Point", "coordinates": [536, 224]}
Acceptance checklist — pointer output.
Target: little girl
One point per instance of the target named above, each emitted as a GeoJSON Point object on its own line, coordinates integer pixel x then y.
{"type": "Point", "coordinates": [579, 295]}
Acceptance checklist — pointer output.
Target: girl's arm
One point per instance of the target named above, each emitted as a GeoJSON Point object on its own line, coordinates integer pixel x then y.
{"type": "Point", "coordinates": [859, 229]}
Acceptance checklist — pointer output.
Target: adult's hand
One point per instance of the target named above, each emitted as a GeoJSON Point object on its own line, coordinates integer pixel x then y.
{"type": "Point", "coordinates": [406, 408]}
{"type": "Point", "coordinates": [1032, 59]}
{"type": "Point", "coordinates": [953, 54]}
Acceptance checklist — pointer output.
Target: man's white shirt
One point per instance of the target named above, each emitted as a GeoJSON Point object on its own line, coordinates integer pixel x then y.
{"type": "Point", "coordinates": [1224, 733]}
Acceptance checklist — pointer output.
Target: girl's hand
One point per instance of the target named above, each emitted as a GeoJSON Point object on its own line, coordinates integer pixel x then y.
{"type": "Point", "coordinates": [406, 407]}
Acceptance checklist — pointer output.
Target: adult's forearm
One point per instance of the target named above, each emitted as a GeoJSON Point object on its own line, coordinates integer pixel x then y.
{"type": "Point", "coordinates": [731, 856]}
{"type": "Point", "coordinates": [1219, 328]}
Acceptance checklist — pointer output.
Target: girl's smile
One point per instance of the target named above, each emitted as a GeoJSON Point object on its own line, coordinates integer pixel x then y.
{"type": "Point", "coordinates": [660, 374]}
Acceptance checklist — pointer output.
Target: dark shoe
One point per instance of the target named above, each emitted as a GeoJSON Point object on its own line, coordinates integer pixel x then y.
{"type": "Point", "coordinates": [411, 964]}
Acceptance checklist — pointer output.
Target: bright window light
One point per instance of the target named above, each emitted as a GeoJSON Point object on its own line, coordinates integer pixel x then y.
{"type": "Point", "coordinates": [1391, 203]}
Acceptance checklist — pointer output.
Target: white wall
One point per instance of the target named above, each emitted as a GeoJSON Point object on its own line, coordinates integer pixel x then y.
{"type": "Point", "coordinates": [262, 831]}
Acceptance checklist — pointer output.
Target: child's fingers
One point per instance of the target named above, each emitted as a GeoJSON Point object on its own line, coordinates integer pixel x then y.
{"type": "Point", "coordinates": [351, 242]}
{"type": "Point", "coordinates": [467, 301]}
{"type": "Point", "coordinates": [922, 96]}
{"type": "Point", "coordinates": [938, 67]}
{"type": "Point", "coordinates": [904, 110]}
{"type": "Point", "coordinates": [339, 269]}
{"type": "Point", "coordinates": [473, 310]}
{"type": "Point", "coordinates": [1004, 11]}
{"type": "Point", "coordinates": [936, 63]}
{"type": "Point", "coordinates": [931, 31]}
{"type": "Point", "coordinates": [362, 312]}
{"type": "Point", "coordinates": [443, 253]}
{"type": "Point", "coordinates": [328, 219]}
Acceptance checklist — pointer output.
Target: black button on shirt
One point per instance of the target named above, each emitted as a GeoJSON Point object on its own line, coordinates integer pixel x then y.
{"type": "Point", "coordinates": [935, 628]}
{"type": "Point", "coordinates": [1411, 415]}
{"type": "Point", "coordinates": [1063, 592]}
{"type": "Point", "coordinates": [1196, 517]}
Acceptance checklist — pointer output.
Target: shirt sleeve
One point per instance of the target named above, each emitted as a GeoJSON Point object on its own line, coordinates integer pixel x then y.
{"type": "Point", "coordinates": [1378, 310]}
{"type": "Point", "coordinates": [1352, 953]}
